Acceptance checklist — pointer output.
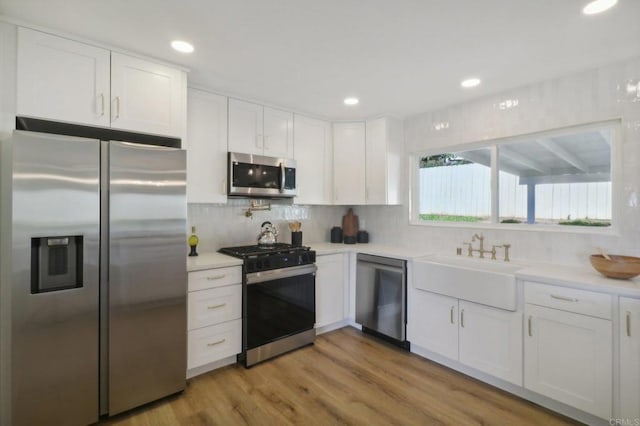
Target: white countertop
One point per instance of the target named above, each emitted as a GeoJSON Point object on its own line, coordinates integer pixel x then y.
{"type": "Point", "coordinates": [585, 278]}
{"type": "Point", "coordinates": [323, 248]}
{"type": "Point", "coordinates": [211, 261]}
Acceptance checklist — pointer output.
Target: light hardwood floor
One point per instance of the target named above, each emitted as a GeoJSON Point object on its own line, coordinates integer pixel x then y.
{"type": "Point", "coordinates": [346, 377]}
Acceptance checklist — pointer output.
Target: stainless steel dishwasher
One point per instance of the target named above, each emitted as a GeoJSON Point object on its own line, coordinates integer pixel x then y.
{"type": "Point", "coordinates": [381, 297]}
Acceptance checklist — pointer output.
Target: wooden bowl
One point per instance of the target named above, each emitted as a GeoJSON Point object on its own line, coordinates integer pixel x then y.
{"type": "Point", "coordinates": [620, 267]}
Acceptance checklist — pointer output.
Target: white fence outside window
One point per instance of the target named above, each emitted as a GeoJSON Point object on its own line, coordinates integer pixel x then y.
{"type": "Point", "coordinates": [465, 190]}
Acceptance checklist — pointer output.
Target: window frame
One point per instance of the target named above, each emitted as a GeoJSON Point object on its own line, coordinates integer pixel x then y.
{"type": "Point", "coordinates": [614, 125]}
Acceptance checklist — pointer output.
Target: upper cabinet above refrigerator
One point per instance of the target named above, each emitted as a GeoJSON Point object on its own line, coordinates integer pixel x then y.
{"type": "Point", "coordinates": [65, 80]}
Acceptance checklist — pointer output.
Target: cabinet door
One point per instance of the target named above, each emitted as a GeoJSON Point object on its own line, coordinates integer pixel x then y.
{"type": "Point", "coordinates": [376, 161]}
{"type": "Point", "coordinates": [245, 127]}
{"type": "Point", "coordinates": [206, 146]}
{"type": "Point", "coordinates": [491, 341]}
{"type": "Point", "coordinates": [629, 358]}
{"type": "Point", "coordinates": [349, 163]}
{"type": "Point", "coordinates": [146, 97]}
{"type": "Point", "coordinates": [278, 133]}
{"type": "Point", "coordinates": [384, 158]}
{"type": "Point", "coordinates": [330, 289]}
{"type": "Point", "coordinates": [433, 323]}
{"type": "Point", "coordinates": [568, 358]}
{"type": "Point", "coordinates": [60, 79]}
{"type": "Point", "coordinates": [313, 155]}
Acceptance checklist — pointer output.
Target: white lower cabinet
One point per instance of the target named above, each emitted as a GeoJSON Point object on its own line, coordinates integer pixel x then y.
{"type": "Point", "coordinates": [568, 356]}
{"type": "Point", "coordinates": [213, 343]}
{"type": "Point", "coordinates": [214, 317]}
{"type": "Point", "coordinates": [330, 289]}
{"type": "Point", "coordinates": [433, 323]}
{"type": "Point", "coordinates": [629, 360]}
{"type": "Point", "coordinates": [484, 338]}
{"type": "Point", "coordinates": [490, 340]}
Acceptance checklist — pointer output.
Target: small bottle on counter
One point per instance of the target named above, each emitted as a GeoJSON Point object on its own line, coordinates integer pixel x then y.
{"type": "Point", "coordinates": [193, 242]}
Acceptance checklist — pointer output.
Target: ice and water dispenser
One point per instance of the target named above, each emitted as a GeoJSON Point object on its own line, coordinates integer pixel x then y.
{"type": "Point", "coordinates": [56, 263]}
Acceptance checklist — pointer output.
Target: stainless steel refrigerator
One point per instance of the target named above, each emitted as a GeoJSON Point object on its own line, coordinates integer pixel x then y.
{"type": "Point", "coordinates": [99, 277]}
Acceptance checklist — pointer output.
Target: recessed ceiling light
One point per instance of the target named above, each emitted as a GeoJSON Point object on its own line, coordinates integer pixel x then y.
{"type": "Point", "coordinates": [598, 6]}
{"type": "Point", "coordinates": [470, 82]}
{"type": "Point", "coordinates": [182, 46]}
{"type": "Point", "coordinates": [351, 101]}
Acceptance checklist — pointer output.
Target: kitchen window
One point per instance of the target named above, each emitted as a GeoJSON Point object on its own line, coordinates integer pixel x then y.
{"type": "Point", "coordinates": [563, 179]}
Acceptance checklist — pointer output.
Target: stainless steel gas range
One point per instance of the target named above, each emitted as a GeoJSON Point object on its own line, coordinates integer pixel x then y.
{"type": "Point", "coordinates": [278, 299]}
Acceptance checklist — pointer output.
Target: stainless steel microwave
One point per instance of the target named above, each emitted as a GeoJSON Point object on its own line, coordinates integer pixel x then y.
{"type": "Point", "coordinates": [259, 176]}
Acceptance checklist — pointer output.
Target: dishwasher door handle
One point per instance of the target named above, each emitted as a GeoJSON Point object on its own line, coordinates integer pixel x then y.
{"type": "Point", "coordinates": [380, 266]}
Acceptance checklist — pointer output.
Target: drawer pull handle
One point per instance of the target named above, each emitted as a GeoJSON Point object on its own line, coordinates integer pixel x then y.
{"type": "Point", "coordinates": [216, 277]}
{"type": "Point", "coordinates": [530, 334]}
{"type": "Point", "coordinates": [216, 306]}
{"type": "Point", "coordinates": [217, 343]}
{"type": "Point", "coordinates": [628, 324]}
{"type": "Point", "coordinates": [462, 318]}
{"type": "Point", "coordinates": [566, 299]}
{"type": "Point", "coordinates": [451, 315]}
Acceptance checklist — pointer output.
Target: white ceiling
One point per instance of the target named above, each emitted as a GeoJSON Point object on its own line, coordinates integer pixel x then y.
{"type": "Point", "coordinates": [399, 57]}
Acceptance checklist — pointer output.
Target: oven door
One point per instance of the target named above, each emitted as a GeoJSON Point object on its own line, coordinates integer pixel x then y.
{"type": "Point", "coordinates": [279, 303]}
{"type": "Point", "coordinates": [258, 175]}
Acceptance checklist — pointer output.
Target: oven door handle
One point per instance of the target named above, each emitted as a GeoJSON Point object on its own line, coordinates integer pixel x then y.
{"type": "Point", "coordinates": [275, 274]}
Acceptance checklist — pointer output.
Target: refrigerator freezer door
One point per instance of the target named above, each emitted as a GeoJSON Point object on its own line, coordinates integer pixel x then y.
{"type": "Point", "coordinates": [55, 327]}
{"type": "Point", "coordinates": [147, 274]}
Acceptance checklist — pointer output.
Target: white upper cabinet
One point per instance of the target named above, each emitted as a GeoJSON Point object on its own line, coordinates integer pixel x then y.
{"type": "Point", "coordinates": [206, 146]}
{"type": "Point", "coordinates": [384, 139]}
{"type": "Point", "coordinates": [278, 133]}
{"type": "Point", "coordinates": [368, 162]}
{"type": "Point", "coordinates": [245, 127]}
{"type": "Point", "coordinates": [349, 163]}
{"type": "Point", "coordinates": [313, 155]}
{"type": "Point", "coordinates": [629, 358]}
{"type": "Point", "coordinates": [64, 80]}
{"type": "Point", "coordinates": [61, 79]}
{"type": "Point", "coordinates": [254, 129]}
{"type": "Point", "coordinates": [146, 97]}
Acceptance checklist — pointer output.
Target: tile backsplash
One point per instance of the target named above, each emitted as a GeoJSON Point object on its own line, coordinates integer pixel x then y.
{"type": "Point", "coordinates": [224, 225]}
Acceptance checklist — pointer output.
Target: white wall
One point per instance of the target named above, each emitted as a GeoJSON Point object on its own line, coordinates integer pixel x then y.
{"type": "Point", "coordinates": [585, 97]}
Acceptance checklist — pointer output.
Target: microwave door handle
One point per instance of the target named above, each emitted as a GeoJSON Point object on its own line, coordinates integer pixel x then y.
{"type": "Point", "coordinates": [282, 177]}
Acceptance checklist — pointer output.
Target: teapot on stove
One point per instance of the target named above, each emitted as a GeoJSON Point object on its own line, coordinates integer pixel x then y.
{"type": "Point", "coordinates": [268, 235]}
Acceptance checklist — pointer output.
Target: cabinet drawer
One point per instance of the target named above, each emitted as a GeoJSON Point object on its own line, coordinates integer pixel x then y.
{"type": "Point", "coordinates": [214, 343]}
{"type": "Point", "coordinates": [210, 278]}
{"type": "Point", "coordinates": [568, 299]}
{"type": "Point", "coordinates": [215, 305]}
